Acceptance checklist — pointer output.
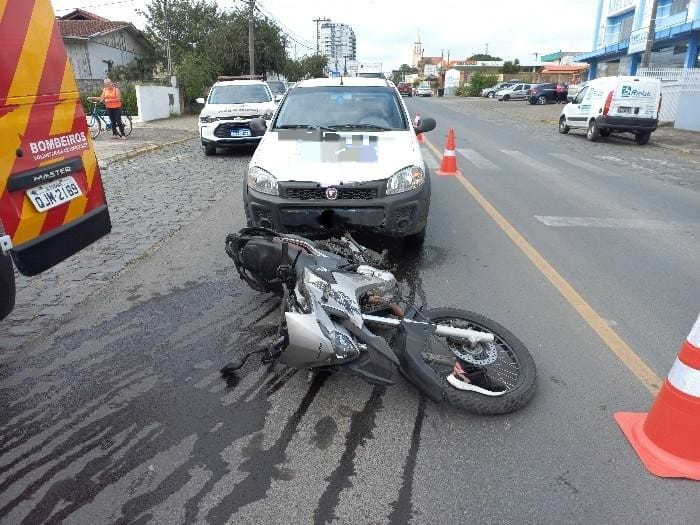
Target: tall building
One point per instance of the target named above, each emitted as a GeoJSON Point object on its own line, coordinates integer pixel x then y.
{"type": "Point", "coordinates": [620, 33]}
{"type": "Point", "coordinates": [338, 43]}
{"type": "Point", "coordinates": [417, 52]}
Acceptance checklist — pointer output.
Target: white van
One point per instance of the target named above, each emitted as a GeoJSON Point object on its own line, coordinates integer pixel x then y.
{"type": "Point", "coordinates": [615, 105]}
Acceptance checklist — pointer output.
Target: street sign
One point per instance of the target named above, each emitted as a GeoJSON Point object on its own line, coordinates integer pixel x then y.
{"type": "Point", "coordinates": [638, 41]}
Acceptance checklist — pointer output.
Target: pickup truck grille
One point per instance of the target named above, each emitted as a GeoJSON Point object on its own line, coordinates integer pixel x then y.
{"type": "Point", "coordinates": [306, 194]}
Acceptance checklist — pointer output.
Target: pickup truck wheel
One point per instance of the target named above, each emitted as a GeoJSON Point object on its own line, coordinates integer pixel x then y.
{"type": "Point", "coordinates": [593, 131]}
{"type": "Point", "coordinates": [563, 128]}
{"type": "Point", "coordinates": [209, 149]}
{"type": "Point", "coordinates": [642, 138]}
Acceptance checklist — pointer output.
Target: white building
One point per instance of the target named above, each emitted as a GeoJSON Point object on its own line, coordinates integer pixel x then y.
{"type": "Point", "coordinates": [338, 44]}
{"type": "Point", "coordinates": [620, 33]}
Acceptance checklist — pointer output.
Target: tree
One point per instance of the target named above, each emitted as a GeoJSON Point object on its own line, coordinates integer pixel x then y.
{"type": "Point", "coordinates": [397, 75]}
{"type": "Point", "coordinates": [480, 81]}
{"type": "Point", "coordinates": [308, 67]}
{"type": "Point", "coordinates": [511, 67]}
{"type": "Point", "coordinates": [479, 57]}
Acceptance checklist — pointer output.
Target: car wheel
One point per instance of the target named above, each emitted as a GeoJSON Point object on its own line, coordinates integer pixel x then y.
{"type": "Point", "coordinates": [209, 149]}
{"type": "Point", "coordinates": [541, 100]}
{"type": "Point", "coordinates": [506, 98]}
{"type": "Point", "coordinates": [642, 138]}
{"type": "Point", "coordinates": [563, 128]}
{"type": "Point", "coordinates": [593, 133]}
{"type": "Point", "coordinates": [491, 94]}
{"type": "Point", "coordinates": [605, 132]}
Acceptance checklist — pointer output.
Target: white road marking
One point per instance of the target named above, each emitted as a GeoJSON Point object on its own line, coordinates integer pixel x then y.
{"type": "Point", "coordinates": [585, 165]}
{"type": "Point", "coordinates": [610, 222]}
{"type": "Point", "coordinates": [535, 164]}
{"type": "Point", "coordinates": [626, 163]}
{"type": "Point", "coordinates": [478, 160]}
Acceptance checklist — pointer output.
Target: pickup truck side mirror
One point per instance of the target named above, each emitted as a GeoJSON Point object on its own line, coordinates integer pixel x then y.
{"type": "Point", "coordinates": [258, 126]}
{"type": "Point", "coordinates": [199, 100]}
{"type": "Point", "coordinates": [426, 124]}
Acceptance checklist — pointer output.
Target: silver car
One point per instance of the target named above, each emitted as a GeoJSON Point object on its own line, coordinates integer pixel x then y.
{"type": "Point", "coordinates": [516, 92]}
{"type": "Point", "coordinates": [490, 92]}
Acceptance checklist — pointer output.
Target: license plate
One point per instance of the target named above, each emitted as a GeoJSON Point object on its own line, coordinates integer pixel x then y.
{"type": "Point", "coordinates": [624, 109]}
{"type": "Point", "coordinates": [240, 132]}
{"type": "Point", "coordinates": [54, 193]}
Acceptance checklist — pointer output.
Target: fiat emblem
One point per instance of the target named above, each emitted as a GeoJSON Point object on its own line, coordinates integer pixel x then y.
{"type": "Point", "coordinates": [331, 193]}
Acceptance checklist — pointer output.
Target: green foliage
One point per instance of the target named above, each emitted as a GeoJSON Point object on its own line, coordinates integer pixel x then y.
{"type": "Point", "coordinates": [480, 81]}
{"type": "Point", "coordinates": [397, 75]}
{"type": "Point", "coordinates": [196, 73]}
{"type": "Point", "coordinates": [416, 83]}
{"type": "Point", "coordinates": [128, 92]}
{"type": "Point", "coordinates": [483, 57]}
{"type": "Point", "coordinates": [135, 70]}
{"type": "Point", "coordinates": [462, 91]}
{"type": "Point", "coordinates": [511, 67]}
{"type": "Point", "coordinates": [307, 67]}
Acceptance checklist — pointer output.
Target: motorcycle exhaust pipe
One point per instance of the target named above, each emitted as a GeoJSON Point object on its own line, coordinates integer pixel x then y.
{"type": "Point", "coordinates": [467, 334]}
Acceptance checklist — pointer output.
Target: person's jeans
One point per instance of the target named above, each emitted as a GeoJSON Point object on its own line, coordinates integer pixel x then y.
{"type": "Point", "coordinates": [115, 117]}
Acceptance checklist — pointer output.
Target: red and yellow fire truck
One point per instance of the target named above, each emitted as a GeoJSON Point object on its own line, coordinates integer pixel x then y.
{"type": "Point", "coordinates": [52, 203]}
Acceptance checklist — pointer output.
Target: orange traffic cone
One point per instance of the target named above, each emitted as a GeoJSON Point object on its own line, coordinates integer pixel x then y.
{"type": "Point", "coordinates": [416, 123]}
{"type": "Point", "coordinates": [667, 439]}
{"type": "Point", "coordinates": [449, 157]}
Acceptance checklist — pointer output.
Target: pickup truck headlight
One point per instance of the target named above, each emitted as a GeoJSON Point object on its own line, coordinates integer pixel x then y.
{"type": "Point", "coordinates": [406, 179]}
{"type": "Point", "coordinates": [207, 119]}
{"type": "Point", "coordinates": [262, 181]}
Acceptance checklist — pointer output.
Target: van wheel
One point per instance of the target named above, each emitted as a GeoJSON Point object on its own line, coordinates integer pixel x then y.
{"type": "Point", "coordinates": [563, 128]}
{"type": "Point", "coordinates": [642, 138]}
{"type": "Point", "coordinates": [593, 131]}
{"type": "Point", "coordinates": [209, 149]}
{"type": "Point", "coordinates": [605, 132]}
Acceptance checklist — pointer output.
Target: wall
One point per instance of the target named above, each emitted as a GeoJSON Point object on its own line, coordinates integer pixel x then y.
{"type": "Point", "coordinates": [118, 46]}
{"type": "Point", "coordinates": [78, 56]}
{"type": "Point", "coordinates": [156, 102]}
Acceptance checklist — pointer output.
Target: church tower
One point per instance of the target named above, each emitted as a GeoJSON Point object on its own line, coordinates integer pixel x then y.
{"type": "Point", "coordinates": [417, 51]}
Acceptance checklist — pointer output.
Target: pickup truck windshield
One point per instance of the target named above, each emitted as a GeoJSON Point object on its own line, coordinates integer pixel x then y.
{"type": "Point", "coordinates": [342, 108]}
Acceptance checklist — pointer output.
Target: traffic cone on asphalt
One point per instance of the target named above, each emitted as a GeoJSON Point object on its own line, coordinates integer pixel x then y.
{"type": "Point", "coordinates": [416, 122]}
{"type": "Point", "coordinates": [449, 157]}
{"type": "Point", "coordinates": [667, 438]}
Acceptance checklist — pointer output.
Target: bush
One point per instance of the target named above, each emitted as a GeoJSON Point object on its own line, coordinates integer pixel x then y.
{"type": "Point", "coordinates": [128, 98]}
{"type": "Point", "coordinates": [462, 91]}
{"type": "Point", "coordinates": [478, 82]}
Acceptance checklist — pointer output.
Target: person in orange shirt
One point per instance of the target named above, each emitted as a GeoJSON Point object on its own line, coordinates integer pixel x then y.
{"type": "Point", "coordinates": [112, 98]}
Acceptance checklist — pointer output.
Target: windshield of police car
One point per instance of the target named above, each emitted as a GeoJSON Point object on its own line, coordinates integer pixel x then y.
{"type": "Point", "coordinates": [240, 94]}
{"type": "Point", "coordinates": [339, 107]}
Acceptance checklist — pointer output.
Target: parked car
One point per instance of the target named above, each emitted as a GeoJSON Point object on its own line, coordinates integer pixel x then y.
{"type": "Point", "coordinates": [490, 92]}
{"type": "Point", "coordinates": [405, 89]}
{"type": "Point", "coordinates": [424, 91]}
{"type": "Point", "coordinates": [549, 92]}
{"type": "Point", "coordinates": [573, 90]}
{"type": "Point", "coordinates": [278, 89]}
{"type": "Point", "coordinates": [339, 156]}
{"type": "Point", "coordinates": [515, 92]}
{"type": "Point", "coordinates": [615, 105]}
{"type": "Point", "coordinates": [231, 105]}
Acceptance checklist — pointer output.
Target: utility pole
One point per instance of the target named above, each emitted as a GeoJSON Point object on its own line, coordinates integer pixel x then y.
{"type": "Point", "coordinates": [650, 34]}
{"type": "Point", "coordinates": [168, 55]}
{"type": "Point", "coordinates": [318, 31]}
{"type": "Point", "coordinates": [251, 37]}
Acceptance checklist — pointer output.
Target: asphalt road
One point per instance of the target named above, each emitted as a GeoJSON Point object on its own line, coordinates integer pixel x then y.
{"type": "Point", "coordinates": [117, 413]}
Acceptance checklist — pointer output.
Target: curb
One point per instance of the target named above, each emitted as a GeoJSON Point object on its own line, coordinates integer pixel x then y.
{"type": "Point", "coordinates": [120, 157]}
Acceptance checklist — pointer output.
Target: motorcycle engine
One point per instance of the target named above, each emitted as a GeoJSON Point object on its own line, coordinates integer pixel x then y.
{"type": "Point", "coordinates": [386, 287]}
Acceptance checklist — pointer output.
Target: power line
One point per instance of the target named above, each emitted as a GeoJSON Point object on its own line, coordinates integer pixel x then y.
{"type": "Point", "coordinates": [90, 6]}
{"type": "Point", "coordinates": [287, 32]}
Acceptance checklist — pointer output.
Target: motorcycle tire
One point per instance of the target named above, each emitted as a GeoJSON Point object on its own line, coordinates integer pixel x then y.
{"type": "Point", "coordinates": [519, 391]}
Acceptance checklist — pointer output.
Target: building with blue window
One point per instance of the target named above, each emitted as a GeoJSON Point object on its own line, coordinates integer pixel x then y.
{"type": "Point", "coordinates": [621, 32]}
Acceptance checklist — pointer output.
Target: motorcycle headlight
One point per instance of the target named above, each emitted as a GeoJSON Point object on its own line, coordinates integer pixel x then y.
{"type": "Point", "coordinates": [406, 179]}
{"type": "Point", "coordinates": [262, 181]}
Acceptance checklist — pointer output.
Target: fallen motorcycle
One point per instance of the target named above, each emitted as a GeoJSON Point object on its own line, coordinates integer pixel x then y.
{"type": "Point", "coordinates": [341, 309]}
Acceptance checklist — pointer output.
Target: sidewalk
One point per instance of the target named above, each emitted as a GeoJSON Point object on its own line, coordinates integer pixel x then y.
{"type": "Point", "coordinates": [145, 137]}
{"type": "Point", "coordinates": [666, 137]}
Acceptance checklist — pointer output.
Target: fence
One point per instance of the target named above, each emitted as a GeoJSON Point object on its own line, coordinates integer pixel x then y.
{"type": "Point", "coordinates": [676, 82]}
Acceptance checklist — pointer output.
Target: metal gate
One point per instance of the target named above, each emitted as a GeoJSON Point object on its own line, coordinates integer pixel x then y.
{"type": "Point", "coordinates": [675, 81]}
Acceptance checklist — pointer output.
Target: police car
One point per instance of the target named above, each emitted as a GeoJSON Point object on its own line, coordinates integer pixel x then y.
{"type": "Point", "coordinates": [230, 106]}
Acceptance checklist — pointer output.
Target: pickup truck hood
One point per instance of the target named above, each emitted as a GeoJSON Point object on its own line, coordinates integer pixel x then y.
{"type": "Point", "coordinates": [237, 110]}
{"type": "Point", "coordinates": [338, 158]}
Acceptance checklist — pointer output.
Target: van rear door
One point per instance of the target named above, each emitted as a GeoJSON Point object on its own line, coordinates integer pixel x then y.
{"type": "Point", "coordinates": [52, 203]}
{"type": "Point", "coordinates": [636, 97]}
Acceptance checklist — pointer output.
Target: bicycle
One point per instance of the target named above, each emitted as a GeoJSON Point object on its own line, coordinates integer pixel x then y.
{"type": "Point", "coordinates": [98, 118]}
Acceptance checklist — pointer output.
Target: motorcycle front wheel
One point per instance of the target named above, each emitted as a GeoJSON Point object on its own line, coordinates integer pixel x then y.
{"type": "Point", "coordinates": [506, 363]}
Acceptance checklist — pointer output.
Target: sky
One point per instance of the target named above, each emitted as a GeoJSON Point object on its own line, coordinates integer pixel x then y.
{"type": "Point", "coordinates": [386, 30]}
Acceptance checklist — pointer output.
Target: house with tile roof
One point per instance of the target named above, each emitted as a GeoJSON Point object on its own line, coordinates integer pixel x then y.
{"type": "Point", "coordinates": [95, 45]}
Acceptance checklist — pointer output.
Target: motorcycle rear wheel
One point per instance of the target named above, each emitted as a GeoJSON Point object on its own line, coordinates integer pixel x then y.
{"type": "Point", "coordinates": [513, 368]}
